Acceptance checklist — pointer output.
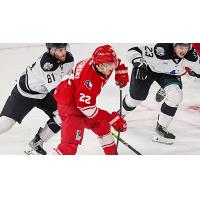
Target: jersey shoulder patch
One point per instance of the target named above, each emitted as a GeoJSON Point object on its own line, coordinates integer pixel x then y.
{"type": "Point", "coordinates": [47, 63]}
{"type": "Point", "coordinates": [192, 55]}
{"type": "Point", "coordinates": [163, 51]}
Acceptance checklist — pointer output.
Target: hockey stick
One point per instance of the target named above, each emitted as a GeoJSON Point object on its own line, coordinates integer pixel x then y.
{"type": "Point", "coordinates": [120, 112]}
{"type": "Point", "coordinates": [125, 143]}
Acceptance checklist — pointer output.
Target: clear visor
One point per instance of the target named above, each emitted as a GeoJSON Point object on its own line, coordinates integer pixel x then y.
{"type": "Point", "coordinates": [110, 66]}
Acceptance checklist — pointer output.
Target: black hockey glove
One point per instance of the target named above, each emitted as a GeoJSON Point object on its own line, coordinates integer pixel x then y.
{"type": "Point", "coordinates": [192, 73]}
{"type": "Point", "coordinates": [141, 68]}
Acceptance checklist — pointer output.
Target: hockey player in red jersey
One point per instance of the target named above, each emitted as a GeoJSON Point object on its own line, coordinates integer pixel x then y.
{"type": "Point", "coordinates": [76, 98]}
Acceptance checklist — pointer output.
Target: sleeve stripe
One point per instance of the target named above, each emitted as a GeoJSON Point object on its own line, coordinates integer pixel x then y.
{"type": "Point", "coordinates": [90, 112]}
{"type": "Point", "coordinates": [95, 113]}
{"type": "Point", "coordinates": [86, 108]}
{"type": "Point", "coordinates": [114, 120]}
{"type": "Point", "coordinates": [121, 71]}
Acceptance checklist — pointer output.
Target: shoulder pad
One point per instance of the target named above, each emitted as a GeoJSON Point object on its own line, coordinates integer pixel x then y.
{"type": "Point", "coordinates": [192, 55]}
{"type": "Point", "coordinates": [47, 63]}
{"type": "Point", "coordinates": [136, 49]}
{"type": "Point", "coordinates": [69, 57]}
{"type": "Point", "coordinates": [163, 51]}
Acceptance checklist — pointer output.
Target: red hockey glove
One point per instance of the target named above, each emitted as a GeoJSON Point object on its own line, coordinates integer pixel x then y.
{"type": "Point", "coordinates": [117, 122]}
{"type": "Point", "coordinates": [121, 75]}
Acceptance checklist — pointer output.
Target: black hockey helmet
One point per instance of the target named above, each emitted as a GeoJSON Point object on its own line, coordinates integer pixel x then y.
{"type": "Point", "coordinates": [56, 45]}
{"type": "Point", "coordinates": [189, 45]}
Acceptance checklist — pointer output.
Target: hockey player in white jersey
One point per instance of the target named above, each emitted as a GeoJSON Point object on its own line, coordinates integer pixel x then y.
{"type": "Point", "coordinates": [160, 95]}
{"type": "Point", "coordinates": [34, 88]}
{"type": "Point", "coordinates": [163, 63]}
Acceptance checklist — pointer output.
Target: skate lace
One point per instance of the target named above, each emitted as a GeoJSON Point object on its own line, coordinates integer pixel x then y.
{"type": "Point", "coordinates": [165, 130]}
{"type": "Point", "coordinates": [37, 144]}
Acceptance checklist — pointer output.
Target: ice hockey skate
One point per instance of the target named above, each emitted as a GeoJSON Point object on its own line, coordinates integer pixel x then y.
{"type": "Point", "coordinates": [162, 135]}
{"type": "Point", "coordinates": [160, 95]}
{"type": "Point", "coordinates": [36, 146]}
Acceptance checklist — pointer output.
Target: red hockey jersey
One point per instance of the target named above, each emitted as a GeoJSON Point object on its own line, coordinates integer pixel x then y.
{"type": "Point", "coordinates": [82, 89]}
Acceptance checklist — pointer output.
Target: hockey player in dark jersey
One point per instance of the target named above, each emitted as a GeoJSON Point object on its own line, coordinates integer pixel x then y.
{"type": "Point", "coordinates": [34, 88]}
{"type": "Point", "coordinates": [163, 63]}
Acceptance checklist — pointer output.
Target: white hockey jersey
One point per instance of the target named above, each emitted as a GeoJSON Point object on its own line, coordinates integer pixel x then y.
{"type": "Point", "coordinates": [161, 58]}
{"type": "Point", "coordinates": [44, 75]}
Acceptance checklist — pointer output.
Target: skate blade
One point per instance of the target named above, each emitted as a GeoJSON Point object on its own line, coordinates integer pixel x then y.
{"type": "Point", "coordinates": [162, 140]}
{"type": "Point", "coordinates": [30, 152]}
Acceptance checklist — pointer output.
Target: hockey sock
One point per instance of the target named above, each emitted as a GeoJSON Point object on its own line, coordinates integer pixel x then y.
{"type": "Point", "coordinates": [46, 133]}
{"type": "Point", "coordinates": [108, 144]}
{"type": "Point", "coordinates": [166, 115]}
{"type": "Point", "coordinates": [67, 149]}
{"type": "Point", "coordinates": [110, 149]}
{"type": "Point", "coordinates": [164, 120]}
{"type": "Point", "coordinates": [6, 124]}
{"type": "Point", "coordinates": [50, 129]}
{"type": "Point", "coordinates": [129, 104]}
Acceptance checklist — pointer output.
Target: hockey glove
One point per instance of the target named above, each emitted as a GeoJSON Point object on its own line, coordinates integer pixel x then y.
{"type": "Point", "coordinates": [117, 122]}
{"type": "Point", "coordinates": [121, 75]}
{"type": "Point", "coordinates": [193, 74]}
{"type": "Point", "coordinates": [141, 68]}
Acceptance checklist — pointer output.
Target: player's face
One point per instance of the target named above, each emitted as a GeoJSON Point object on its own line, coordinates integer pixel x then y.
{"type": "Point", "coordinates": [107, 68]}
{"type": "Point", "coordinates": [60, 54]}
{"type": "Point", "coordinates": [181, 51]}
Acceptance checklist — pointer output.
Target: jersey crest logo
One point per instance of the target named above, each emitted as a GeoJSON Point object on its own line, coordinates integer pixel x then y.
{"type": "Point", "coordinates": [160, 51]}
{"type": "Point", "coordinates": [88, 84]}
{"type": "Point", "coordinates": [174, 72]}
{"type": "Point", "coordinates": [48, 66]}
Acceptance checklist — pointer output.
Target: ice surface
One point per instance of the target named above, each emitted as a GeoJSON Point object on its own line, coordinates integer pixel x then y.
{"type": "Point", "coordinates": [141, 122]}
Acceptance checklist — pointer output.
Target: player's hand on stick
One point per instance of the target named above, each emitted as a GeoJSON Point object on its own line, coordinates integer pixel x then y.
{"type": "Point", "coordinates": [141, 68]}
{"type": "Point", "coordinates": [121, 75]}
{"type": "Point", "coordinates": [117, 122]}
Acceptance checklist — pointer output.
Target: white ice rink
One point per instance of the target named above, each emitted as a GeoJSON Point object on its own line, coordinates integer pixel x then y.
{"type": "Point", "coordinates": [141, 122]}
